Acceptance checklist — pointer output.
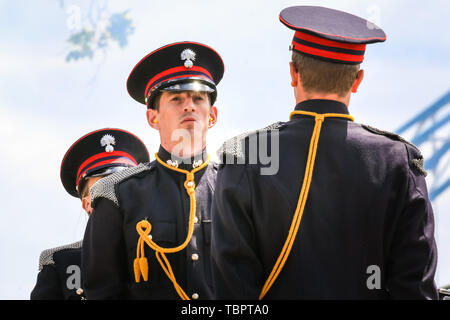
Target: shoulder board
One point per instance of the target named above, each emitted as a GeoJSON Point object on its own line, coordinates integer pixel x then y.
{"type": "Point", "coordinates": [234, 147]}
{"type": "Point", "coordinates": [389, 134]}
{"type": "Point", "coordinates": [46, 257]}
{"type": "Point", "coordinates": [415, 157]}
{"type": "Point", "coordinates": [105, 187]}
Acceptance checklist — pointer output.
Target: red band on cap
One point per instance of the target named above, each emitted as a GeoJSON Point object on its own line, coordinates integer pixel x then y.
{"type": "Point", "coordinates": [154, 81]}
{"type": "Point", "coordinates": [328, 54]}
{"type": "Point", "coordinates": [329, 43]}
{"type": "Point", "coordinates": [101, 163]}
{"type": "Point", "coordinates": [122, 157]}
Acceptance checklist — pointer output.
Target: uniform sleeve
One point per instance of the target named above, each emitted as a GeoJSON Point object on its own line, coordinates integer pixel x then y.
{"type": "Point", "coordinates": [236, 267]}
{"type": "Point", "coordinates": [413, 257]}
{"type": "Point", "coordinates": [48, 286]}
{"type": "Point", "coordinates": [103, 254]}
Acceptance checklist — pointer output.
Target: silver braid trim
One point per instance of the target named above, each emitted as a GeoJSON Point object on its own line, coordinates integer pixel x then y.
{"type": "Point", "coordinates": [46, 257]}
{"type": "Point", "coordinates": [419, 164]}
{"type": "Point", "coordinates": [390, 134]}
{"type": "Point", "coordinates": [235, 146]}
{"type": "Point", "coordinates": [104, 188]}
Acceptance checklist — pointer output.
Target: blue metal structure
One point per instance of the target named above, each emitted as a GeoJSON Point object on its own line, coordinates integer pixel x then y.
{"type": "Point", "coordinates": [427, 124]}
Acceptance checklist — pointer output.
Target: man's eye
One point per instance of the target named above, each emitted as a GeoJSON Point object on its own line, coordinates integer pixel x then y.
{"type": "Point", "coordinates": [175, 98]}
{"type": "Point", "coordinates": [199, 98]}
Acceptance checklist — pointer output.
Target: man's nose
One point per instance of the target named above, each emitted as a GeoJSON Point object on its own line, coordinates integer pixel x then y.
{"type": "Point", "coordinates": [189, 105]}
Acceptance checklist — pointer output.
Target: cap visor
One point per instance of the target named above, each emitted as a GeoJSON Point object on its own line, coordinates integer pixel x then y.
{"type": "Point", "coordinates": [106, 171]}
{"type": "Point", "coordinates": [189, 86]}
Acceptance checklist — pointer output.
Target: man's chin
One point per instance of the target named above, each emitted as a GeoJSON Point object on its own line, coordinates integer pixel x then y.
{"type": "Point", "coordinates": [191, 126]}
{"type": "Point", "coordinates": [188, 126]}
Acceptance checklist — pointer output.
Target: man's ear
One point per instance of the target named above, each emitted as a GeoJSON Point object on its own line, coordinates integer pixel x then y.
{"type": "Point", "coordinates": [152, 118]}
{"type": "Point", "coordinates": [212, 116]}
{"type": "Point", "coordinates": [294, 75]}
{"type": "Point", "coordinates": [358, 80]}
{"type": "Point", "coordinates": [86, 204]}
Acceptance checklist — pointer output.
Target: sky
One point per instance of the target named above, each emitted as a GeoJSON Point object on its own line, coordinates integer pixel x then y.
{"type": "Point", "coordinates": [47, 103]}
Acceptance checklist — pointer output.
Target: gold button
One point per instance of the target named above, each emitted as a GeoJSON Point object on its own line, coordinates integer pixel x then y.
{"type": "Point", "coordinates": [195, 219]}
{"type": "Point", "coordinates": [79, 291]}
{"type": "Point", "coordinates": [195, 296]}
{"type": "Point", "coordinates": [194, 257]}
{"type": "Point", "coordinates": [190, 184]}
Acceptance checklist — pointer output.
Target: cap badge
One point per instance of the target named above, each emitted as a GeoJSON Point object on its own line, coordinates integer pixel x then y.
{"type": "Point", "coordinates": [189, 56]}
{"type": "Point", "coordinates": [107, 141]}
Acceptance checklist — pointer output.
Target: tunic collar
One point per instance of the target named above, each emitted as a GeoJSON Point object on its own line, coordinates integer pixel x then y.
{"type": "Point", "coordinates": [182, 163]}
{"type": "Point", "coordinates": [321, 106]}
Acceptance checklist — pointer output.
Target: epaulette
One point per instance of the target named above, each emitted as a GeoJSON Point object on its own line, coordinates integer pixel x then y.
{"type": "Point", "coordinates": [46, 257]}
{"type": "Point", "coordinates": [415, 157]}
{"type": "Point", "coordinates": [235, 147]}
{"type": "Point", "coordinates": [105, 187]}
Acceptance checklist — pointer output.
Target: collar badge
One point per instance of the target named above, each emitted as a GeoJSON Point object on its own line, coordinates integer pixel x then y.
{"type": "Point", "coordinates": [197, 163]}
{"type": "Point", "coordinates": [172, 163]}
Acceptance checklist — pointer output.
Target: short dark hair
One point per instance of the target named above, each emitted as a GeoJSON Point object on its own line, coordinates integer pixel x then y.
{"type": "Point", "coordinates": [324, 77]}
{"type": "Point", "coordinates": [83, 189]}
{"type": "Point", "coordinates": [156, 101]}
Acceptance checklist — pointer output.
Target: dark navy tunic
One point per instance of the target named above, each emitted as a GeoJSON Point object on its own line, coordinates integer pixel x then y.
{"type": "Point", "coordinates": [59, 275]}
{"type": "Point", "coordinates": [156, 193]}
{"type": "Point", "coordinates": [367, 215]}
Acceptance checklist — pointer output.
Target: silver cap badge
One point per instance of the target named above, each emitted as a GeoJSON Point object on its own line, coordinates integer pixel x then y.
{"type": "Point", "coordinates": [108, 141]}
{"type": "Point", "coordinates": [189, 56]}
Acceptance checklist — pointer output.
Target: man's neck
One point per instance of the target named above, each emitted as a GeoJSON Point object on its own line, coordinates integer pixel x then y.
{"type": "Point", "coordinates": [184, 152]}
{"type": "Point", "coordinates": [345, 100]}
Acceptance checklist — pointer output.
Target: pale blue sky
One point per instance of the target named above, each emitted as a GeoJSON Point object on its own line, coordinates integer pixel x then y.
{"type": "Point", "coordinates": [47, 103]}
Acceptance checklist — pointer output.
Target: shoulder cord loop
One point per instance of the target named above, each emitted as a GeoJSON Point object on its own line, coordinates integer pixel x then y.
{"type": "Point", "coordinates": [144, 227]}
{"type": "Point", "coordinates": [319, 118]}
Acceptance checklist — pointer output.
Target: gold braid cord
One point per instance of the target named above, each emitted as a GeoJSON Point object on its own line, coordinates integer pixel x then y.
{"type": "Point", "coordinates": [144, 228]}
{"type": "Point", "coordinates": [285, 251]}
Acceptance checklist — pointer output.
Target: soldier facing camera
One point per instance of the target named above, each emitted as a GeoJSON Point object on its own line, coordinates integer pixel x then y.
{"type": "Point", "coordinates": [149, 235]}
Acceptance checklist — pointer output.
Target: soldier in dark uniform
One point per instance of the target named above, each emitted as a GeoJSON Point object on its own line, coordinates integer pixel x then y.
{"type": "Point", "coordinates": [346, 215]}
{"type": "Point", "coordinates": [93, 156]}
{"type": "Point", "coordinates": [149, 234]}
